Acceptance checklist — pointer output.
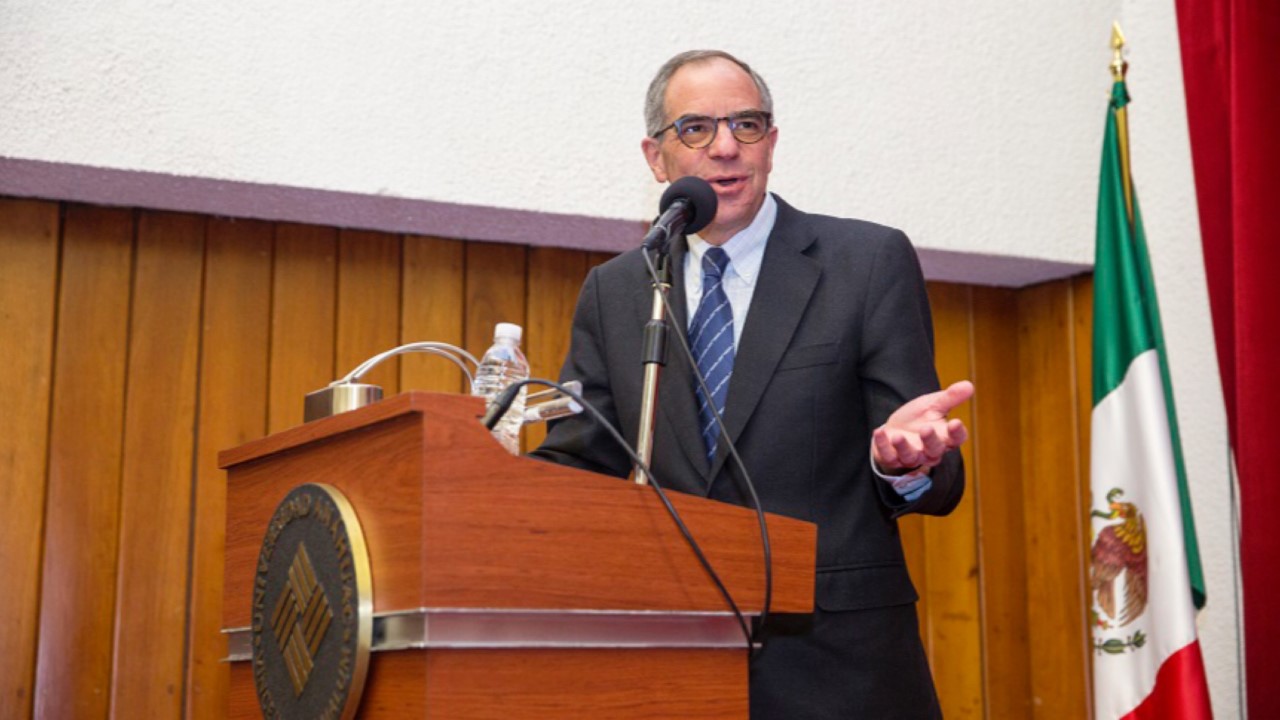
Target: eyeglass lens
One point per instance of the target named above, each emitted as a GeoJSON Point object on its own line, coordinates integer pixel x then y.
{"type": "Point", "coordinates": [698, 130]}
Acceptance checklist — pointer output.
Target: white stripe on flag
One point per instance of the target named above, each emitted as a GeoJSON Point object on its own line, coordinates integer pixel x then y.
{"type": "Point", "coordinates": [1131, 450]}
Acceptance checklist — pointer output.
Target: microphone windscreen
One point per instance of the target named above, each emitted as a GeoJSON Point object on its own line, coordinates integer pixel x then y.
{"type": "Point", "coordinates": [700, 197]}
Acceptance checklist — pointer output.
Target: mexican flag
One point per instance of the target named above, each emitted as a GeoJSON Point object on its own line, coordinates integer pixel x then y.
{"type": "Point", "coordinates": [1145, 579]}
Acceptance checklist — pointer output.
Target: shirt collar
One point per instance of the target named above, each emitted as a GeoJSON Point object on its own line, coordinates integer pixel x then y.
{"type": "Point", "coordinates": [746, 248]}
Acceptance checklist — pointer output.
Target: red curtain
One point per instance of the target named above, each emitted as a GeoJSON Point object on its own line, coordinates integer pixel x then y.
{"type": "Point", "coordinates": [1231, 69]}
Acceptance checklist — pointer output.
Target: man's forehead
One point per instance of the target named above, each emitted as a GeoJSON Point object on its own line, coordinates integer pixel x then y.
{"type": "Point", "coordinates": [711, 85]}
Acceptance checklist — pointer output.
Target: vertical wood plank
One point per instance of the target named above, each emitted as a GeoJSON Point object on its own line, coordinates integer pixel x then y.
{"type": "Point", "coordinates": [73, 667]}
{"type": "Point", "coordinates": [494, 292]}
{"type": "Point", "coordinates": [954, 626]}
{"type": "Point", "coordinates": [555, 277]}
{"type": "Point", "coordinates": [432, 309]}
{"type": "Point", "coordinates": [1051, 499]}
{"type": "Point", "coordinates": [997, 488]}
{"type": "Point", "coordinates": [155, 489]}
{"type": "Point", "coordinates": [1082, 319]}
{"type": "Point", "coordinates": [303, 290]}
{"type": "Point", "coordinates": [233, 409]}
{"type": "Point", "coordinates": [368, 317]}
{"type": "Point", "coordinates": [28, 287]}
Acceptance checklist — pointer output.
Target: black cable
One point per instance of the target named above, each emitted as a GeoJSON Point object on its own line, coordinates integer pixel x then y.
{"type": "Point", "coordinates": [733, 450]}
{"type": "Point", "coordinates": [671, 510]}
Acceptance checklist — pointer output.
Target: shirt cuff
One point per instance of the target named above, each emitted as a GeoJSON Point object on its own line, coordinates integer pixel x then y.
{"type": "Point", "coordinates": [910, 486]}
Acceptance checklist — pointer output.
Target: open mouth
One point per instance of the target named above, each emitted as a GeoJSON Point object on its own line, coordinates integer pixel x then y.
{"type": "Point", "coordinates": [727, 182]}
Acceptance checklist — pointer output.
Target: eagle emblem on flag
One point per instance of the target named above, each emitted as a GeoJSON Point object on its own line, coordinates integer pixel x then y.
{"type": "Point", "coordinates": [1120, 554]}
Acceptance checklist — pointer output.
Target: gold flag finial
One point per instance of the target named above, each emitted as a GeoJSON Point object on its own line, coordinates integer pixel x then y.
{"type": "Point", "coordinates": [1118, 65]}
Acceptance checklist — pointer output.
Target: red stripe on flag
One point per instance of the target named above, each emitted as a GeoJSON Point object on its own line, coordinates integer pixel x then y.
{"type": "Point", "coordinates": [1180, 691]}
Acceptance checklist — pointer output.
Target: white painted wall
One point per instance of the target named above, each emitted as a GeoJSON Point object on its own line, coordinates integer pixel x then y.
{"type": "Point", "coordinates": [975, 126]}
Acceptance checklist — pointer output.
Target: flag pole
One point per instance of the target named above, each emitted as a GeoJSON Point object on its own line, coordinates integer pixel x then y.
{"type": "Point", "coordinates": [1119, 69]}
{"type": "Point", "coordinates": [1144, 576]}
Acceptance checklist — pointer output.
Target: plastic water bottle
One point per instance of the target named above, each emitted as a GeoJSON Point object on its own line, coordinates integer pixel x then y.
{"type": "Point", "coordinates": [502, 365]}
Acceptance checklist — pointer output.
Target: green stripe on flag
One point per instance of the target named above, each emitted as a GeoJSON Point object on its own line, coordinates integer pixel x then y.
{"type": "Point", "coordinates": [1121, 324]}
{"type": "Point", "coordinates": [1126, 317]}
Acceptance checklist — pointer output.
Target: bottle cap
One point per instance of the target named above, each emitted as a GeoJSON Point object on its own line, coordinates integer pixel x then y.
{"type": "Point", "coordinates": [508, 330]}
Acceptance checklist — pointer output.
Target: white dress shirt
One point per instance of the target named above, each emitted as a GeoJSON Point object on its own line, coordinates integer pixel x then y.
{"type": "Point", "coordinates": [746, 251]}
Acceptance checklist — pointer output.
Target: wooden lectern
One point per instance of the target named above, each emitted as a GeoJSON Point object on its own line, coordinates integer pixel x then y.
{"type": "Point", "coordinates": [506, 587]}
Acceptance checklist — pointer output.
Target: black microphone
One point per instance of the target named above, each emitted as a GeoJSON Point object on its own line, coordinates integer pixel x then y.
{"type": "Point", "coordinates": [687, 206]}
{"type": "Point", "coordinates": [501, 403]}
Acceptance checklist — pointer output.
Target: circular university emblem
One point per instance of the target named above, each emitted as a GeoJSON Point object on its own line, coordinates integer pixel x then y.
{"type": "Point", "coordinates": [312, 608]}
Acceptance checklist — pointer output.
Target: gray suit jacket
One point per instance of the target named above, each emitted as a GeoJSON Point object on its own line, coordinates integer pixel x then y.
{"type": "Point", "coordinates": [837, 337]}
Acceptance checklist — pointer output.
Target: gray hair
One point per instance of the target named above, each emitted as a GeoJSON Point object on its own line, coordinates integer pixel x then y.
{"type": "Point", "coordinates": [655, 111]}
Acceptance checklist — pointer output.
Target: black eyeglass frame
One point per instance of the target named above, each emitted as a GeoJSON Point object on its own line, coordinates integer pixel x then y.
{"type": "Point", "coordinates": [678, 124]}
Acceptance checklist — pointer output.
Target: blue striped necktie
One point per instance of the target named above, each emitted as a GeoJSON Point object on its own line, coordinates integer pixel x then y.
{"type": "Point", "coordinates": [711, 336]}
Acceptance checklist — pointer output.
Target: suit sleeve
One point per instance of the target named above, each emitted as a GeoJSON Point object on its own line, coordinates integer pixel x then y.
{"type": "Point", "coordinates": [580, 440]}
{"type": "Point", "coordinates": [897, 364]}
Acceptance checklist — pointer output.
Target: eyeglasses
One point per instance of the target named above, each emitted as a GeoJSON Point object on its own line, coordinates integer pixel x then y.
{"type": "Point", "coordinates": [699, 131]}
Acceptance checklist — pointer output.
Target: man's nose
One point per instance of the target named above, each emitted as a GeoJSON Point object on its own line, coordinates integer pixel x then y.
{"type": "Point", "coordinates": [724, 144]}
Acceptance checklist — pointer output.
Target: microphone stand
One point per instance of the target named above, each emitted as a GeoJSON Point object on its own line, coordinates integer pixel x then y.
{"type": "Point", "coordinates": [689, 203]}
{"type": "Point", "coordinates": [654, 357]}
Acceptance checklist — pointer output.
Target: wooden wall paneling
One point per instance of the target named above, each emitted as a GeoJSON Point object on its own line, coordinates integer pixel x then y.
{"type": "Point", "coordinates": [28, 294]}
{"type": "Point", "coordinates": [303, 292]}
{"type": "Point", "coordinates": [1051, 501]}
{"type": "Point", "coordinates": [73, 665]}
{"type": "Point", "coordinates": [126, 326]}
{"type": "Point", "coordinates": [951, 561]}
{"type": "Point", "coordinates": [368, 319]}
{"type": "Point", "coordinates": [235, 331]}
{"type": "Point", "coordinates": [599, 258]}
{"type": "Point", "coordinates": [1082, 318]}
{"type": "Point", "coordinates": [555, 277]}
{"type": "Point", "coordinates": [432, 309]}
{"type": "Point", "coordinates": [494, 292]}
{"type": "Point", "coordinates": [155, 488]}
{"type": "Point", "coordinates": [997, 481]}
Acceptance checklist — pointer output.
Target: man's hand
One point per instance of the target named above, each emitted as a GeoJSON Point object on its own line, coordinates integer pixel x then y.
{"type": "Point", "coordinates": [917, 434]}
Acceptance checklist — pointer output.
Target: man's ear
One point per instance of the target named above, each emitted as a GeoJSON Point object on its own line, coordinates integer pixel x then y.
{"type": "Point", "coordinates": [772, 139]}
{"type": "Point", "coordinates": [652, 149]}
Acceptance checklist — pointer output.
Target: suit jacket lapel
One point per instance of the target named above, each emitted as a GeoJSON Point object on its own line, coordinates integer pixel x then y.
{"type": "Point", "coordinates": [786, 282]}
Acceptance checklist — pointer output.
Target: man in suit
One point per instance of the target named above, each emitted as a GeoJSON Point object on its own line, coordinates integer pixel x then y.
{"type": "Point", "coordinates": [816, 335]}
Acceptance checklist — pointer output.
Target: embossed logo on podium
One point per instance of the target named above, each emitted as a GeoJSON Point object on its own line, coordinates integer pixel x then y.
{"type": "Point", "coordinates": [312, 608]}
{"type": "Point", "coordinates": [301, 617]}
